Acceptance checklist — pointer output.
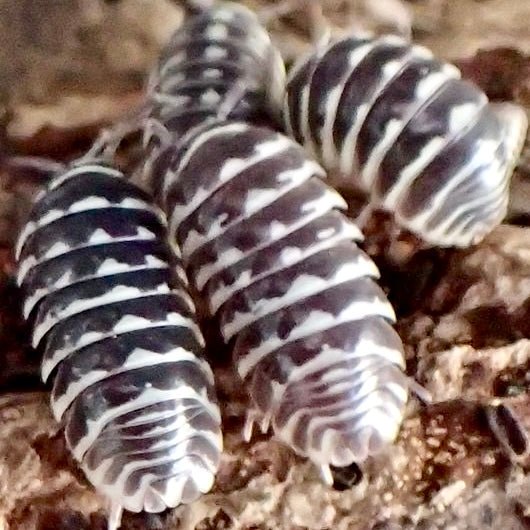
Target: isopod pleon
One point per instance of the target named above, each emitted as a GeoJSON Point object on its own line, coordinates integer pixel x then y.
{"type": "Point", "coordinates": [106, 297]}
{"type": "Point", "coordinates": [394, 122]}
{"type": "Point", "coordinates": [265, 242]}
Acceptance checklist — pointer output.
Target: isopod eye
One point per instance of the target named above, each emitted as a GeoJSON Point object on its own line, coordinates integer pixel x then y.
{"type": "Point", "coordinates": [345, 478]}
{"type": "Point", "coordinates": [509, 431]}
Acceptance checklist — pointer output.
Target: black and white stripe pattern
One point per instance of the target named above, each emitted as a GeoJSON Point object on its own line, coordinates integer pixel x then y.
{"type": "Point", "coordinates": [407, 130]}
{"type": "Point", "coordinates": [107, 300]}
{"type": "Point", "coordinates": [264, 240]}
{"type": "Point", "coordinates": [221, 57]}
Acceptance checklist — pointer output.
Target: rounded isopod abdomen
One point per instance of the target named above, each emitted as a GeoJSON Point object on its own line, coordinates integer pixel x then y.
{"type": "Point", "coordinates": [391, 120]}
{"type": "Point", "coordinates": [106, 297]}
{"type": "Point", "coordinates": [221, 57]}
{"type": "Point", "coordinates": [264, 240]}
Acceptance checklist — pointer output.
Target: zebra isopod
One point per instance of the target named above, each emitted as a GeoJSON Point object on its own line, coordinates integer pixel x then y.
{"type": "Point", "coordinates": [221, 56]}
{"type": "Point", "coordinates": [265, 242]}
{"type": "Point", "coordinates": [392, 121]}
{"type": "Point", "coordinates": [107, 300]}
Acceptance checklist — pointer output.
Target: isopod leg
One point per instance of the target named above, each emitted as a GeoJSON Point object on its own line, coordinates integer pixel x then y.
{"type": "Point", "coordinates": [248, 428]}
{"type": "Point", "coordinates": [326, 475]}
{"type": "Point", "coordinates": [234, 96]}
{"type": "Point", "coordinates": [264, 424]}
{"type": "Point", "coordinates": [318, 26]}
{"type": "Point", "coordinates": [255, 416]}
{"type": "Point", "coordinates": [109, 140]}
{"type": "Point", "coordinates": [421, 392]}
{"type": "Point", "coordinates": [364, 216]}
{"type": "Point", "coordinates": [42, 168]}
{"type": "Point", "coordinates": [115, 513]}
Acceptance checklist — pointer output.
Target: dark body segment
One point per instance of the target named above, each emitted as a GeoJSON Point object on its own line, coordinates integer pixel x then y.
{"type": "Point", "coordinates": [106, 297]}
{"type": "Point", "coordinates": [381, 113]}
{"type": "Point", "coordinates": [220, 64]}
{"type": "Point", "coordinates": [265, 242]}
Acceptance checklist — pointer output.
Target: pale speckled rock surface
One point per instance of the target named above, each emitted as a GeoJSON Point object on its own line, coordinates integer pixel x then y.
{"type": "Point", "coordinates": [464, 316]}
{"type": "Point", "coordinates": [34, 473]}
{"type": "Point", "coordinates": [85, 46]}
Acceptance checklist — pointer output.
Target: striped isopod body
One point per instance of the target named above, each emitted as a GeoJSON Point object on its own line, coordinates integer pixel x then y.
{"type": "Point", "coordinates": [220, 57]}
{"type": "Point", "coordinates": [403, 127]}
{"type": "Point", "coordinates": [107, 301]}
{"type": "Point", "coordinates": [265, 242]}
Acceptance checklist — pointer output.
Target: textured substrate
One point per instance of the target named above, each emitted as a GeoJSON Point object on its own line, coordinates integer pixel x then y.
{"type": "Point", "coordinates": [464, 315]}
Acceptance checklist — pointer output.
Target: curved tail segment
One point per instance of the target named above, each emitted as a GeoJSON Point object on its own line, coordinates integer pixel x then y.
{"type": "Point", "coordinates": [107, 300]}
{"type": "Point", "coordinates": [266, 243]}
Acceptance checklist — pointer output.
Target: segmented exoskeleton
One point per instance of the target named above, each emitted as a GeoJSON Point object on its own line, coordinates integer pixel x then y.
{"type": "Point", "coordinates": [221, 58]}
{"type": "Point", "coordinates": [264, 241]}
{"type": "Point", "coordinates": [106, 297]}
{"type": "Point", "coordinates": [403, 127]}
